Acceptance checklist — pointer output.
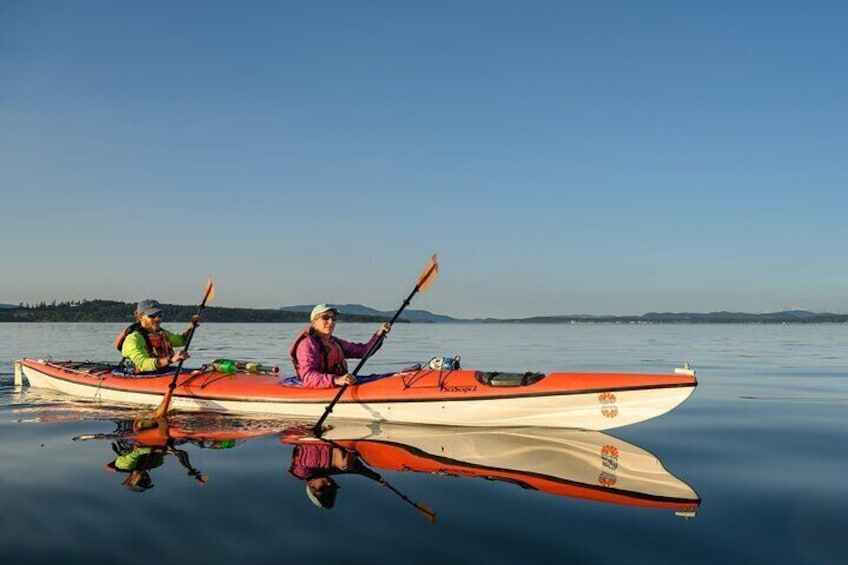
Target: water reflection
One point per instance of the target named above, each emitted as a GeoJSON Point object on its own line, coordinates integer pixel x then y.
{"type": "Point", "coordinates": [316, 460]}
{"type": "Point", "coordinates": [144, 450]}
{"type": "Point", "coordinates": [141, 445]}
{"type": "Point", "coordinates": [572, 463]}
{"type": "Point", "coordinates": [569, 463]}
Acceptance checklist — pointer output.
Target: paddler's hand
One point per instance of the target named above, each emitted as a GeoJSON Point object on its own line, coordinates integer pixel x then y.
{"type": "Point", "coordinates": [179, 356]}
{"type": "Point", "coordinates": [195, 321]}
{"type": "Point", "coordinates": [384, 329]}
{"type": "Point", "coordinates": [347, 379]}
{"type": "Point", "coordinates": [162, 362]}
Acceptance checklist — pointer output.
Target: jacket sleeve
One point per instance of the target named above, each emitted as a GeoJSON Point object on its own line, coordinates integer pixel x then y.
{"type": "Point", "coordinates": [309, 361]}
{"type": "Point", "coordinates": [176, 340]}
{"type": "Point", "coordinates": [358, 350]}
{"type": "Point", "coordinates": [135, 349]}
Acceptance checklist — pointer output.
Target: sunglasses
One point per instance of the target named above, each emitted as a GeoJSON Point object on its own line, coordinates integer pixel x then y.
{"type": "Point", "coordinates": [326, 317]}
{"type": "Point", "coordinates": [155, 315]}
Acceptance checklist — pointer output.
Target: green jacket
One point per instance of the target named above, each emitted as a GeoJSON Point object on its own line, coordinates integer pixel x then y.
{"type": "Point", "coordinates": [140, 458]}
{"type": "Point", "coordinates": [135, 349]}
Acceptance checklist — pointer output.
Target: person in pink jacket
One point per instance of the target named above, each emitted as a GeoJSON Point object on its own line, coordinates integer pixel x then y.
{"type": "Point", "coordinates": [316, 463]}
{"type": "Point", "coordinates": [320, 358]}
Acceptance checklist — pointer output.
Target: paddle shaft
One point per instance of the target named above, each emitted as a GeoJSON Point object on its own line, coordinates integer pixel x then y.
{"type": "Point", "coordinates": [163, 408]}
{"type": "Point", "coordinates": [425, 510]}
{"type": "Point", "coordinates": [365, 471]}
{"type": "Point", "coordinates": [185, 347]}
{"type": "Point", "coordinates": [317, 428]}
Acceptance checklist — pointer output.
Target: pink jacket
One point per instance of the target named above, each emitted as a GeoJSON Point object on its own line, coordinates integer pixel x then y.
{"type": "Point", "coordinates": [311, 460]}
{"type": "Point", "coordinates": [317, 365]}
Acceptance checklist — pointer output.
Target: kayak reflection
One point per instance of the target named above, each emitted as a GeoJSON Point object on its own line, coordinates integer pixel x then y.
{"type": "Point", "coordinates": [588, 465]}
{"type": "Point", "coordinates": [573, 463]}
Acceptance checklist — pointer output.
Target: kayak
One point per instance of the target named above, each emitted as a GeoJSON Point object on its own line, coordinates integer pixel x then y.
{"type": "Point", "coordinates": [453, 397]}
{"type": "Point", "coordinates": [595, 401]}
{"type": "Point", "coordinates": [588, 465]}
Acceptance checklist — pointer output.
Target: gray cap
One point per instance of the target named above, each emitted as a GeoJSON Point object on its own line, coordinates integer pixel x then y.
{"type": "Point", "coordinates": [138, 481]}
{"type": "Point", "coordinates": [149, 306]}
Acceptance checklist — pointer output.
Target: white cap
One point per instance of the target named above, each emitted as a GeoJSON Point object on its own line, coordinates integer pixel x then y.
{"type": "Point", "coordinates": [320, 309]}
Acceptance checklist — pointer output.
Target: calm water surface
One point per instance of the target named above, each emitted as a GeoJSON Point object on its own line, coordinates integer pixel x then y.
{"type": "Point", "coordinates": [762, 441]}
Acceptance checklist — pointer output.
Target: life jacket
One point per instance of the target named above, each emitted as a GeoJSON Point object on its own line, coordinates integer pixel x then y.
{"type": "Point", "coordinates": [141, 458]}
{"type": "Point", "coordinates": [311, 461]}
{"type": "Point", "coordinates": [157, 342]}
{"type": "Point", "coordinates": [338, 369]}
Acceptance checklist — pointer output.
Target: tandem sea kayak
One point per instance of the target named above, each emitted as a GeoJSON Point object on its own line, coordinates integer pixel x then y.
{"type": "Point", "coordinates": [460, 397]}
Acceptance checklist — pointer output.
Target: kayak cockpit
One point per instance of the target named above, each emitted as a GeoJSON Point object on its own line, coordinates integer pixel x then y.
{"type": "Point", "coordinates": [496, 378]}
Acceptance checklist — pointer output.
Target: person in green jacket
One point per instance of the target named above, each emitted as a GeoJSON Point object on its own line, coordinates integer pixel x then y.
{"type": "Point", "coordinates": [144, 450]}
{"type": "Point", "coordinates": [148, 346]}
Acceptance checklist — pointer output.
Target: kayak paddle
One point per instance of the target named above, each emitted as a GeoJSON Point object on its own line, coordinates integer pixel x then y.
{"type": "Point", "coordinates": [425, 279]}
{"type": "Point", "coordinates": [425, 510]}
{"type": "Point", "coordinates": [208, 295]}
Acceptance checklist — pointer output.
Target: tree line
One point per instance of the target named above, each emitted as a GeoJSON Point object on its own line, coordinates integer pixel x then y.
{"type": "Point", "coordinates": [115, 311]}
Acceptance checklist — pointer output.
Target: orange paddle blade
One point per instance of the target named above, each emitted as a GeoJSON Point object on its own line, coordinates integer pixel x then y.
{"type": "Point", "coordinates": [209, 293]}
{"type": "Point", "coordinates": [431, 271]}
{"type": "Point", "coordinates": [427, 512]}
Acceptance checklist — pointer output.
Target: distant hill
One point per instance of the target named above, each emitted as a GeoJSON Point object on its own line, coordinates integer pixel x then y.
{"type": "Point", "coordinates": [722, 317]}
{"type": "Point", "coordinates": [8, 305]}
{"type": "Point", "coordinates": [784, 316]}
{"type": "Point", "coordinates": [419, 316]}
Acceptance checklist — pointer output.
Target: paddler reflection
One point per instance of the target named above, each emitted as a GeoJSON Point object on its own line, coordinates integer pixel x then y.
{"type": "Point", "coordinates": [143, 444]}
{"type": "Point", "coordinates": [317, 461]}
{"type": "Point", "coordinates": [141, 448]}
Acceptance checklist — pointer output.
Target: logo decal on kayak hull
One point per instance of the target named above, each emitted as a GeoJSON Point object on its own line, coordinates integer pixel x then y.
{"type": "Point", "coordinates": [609, 460]}
{"type": "Point", "coordinates": [608, 407]}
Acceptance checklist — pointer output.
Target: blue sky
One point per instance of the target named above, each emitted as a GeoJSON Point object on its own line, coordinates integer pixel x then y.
{"type": "Point", "coordinates": [560, 157]}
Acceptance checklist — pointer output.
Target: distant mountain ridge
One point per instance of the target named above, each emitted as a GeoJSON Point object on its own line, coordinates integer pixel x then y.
{"type": "Point", "coordinates": [782, 317]}
{"type": "Point", "coordinates": [786, 316]}
{"type": "Point", "coordinates": [420, 316]}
